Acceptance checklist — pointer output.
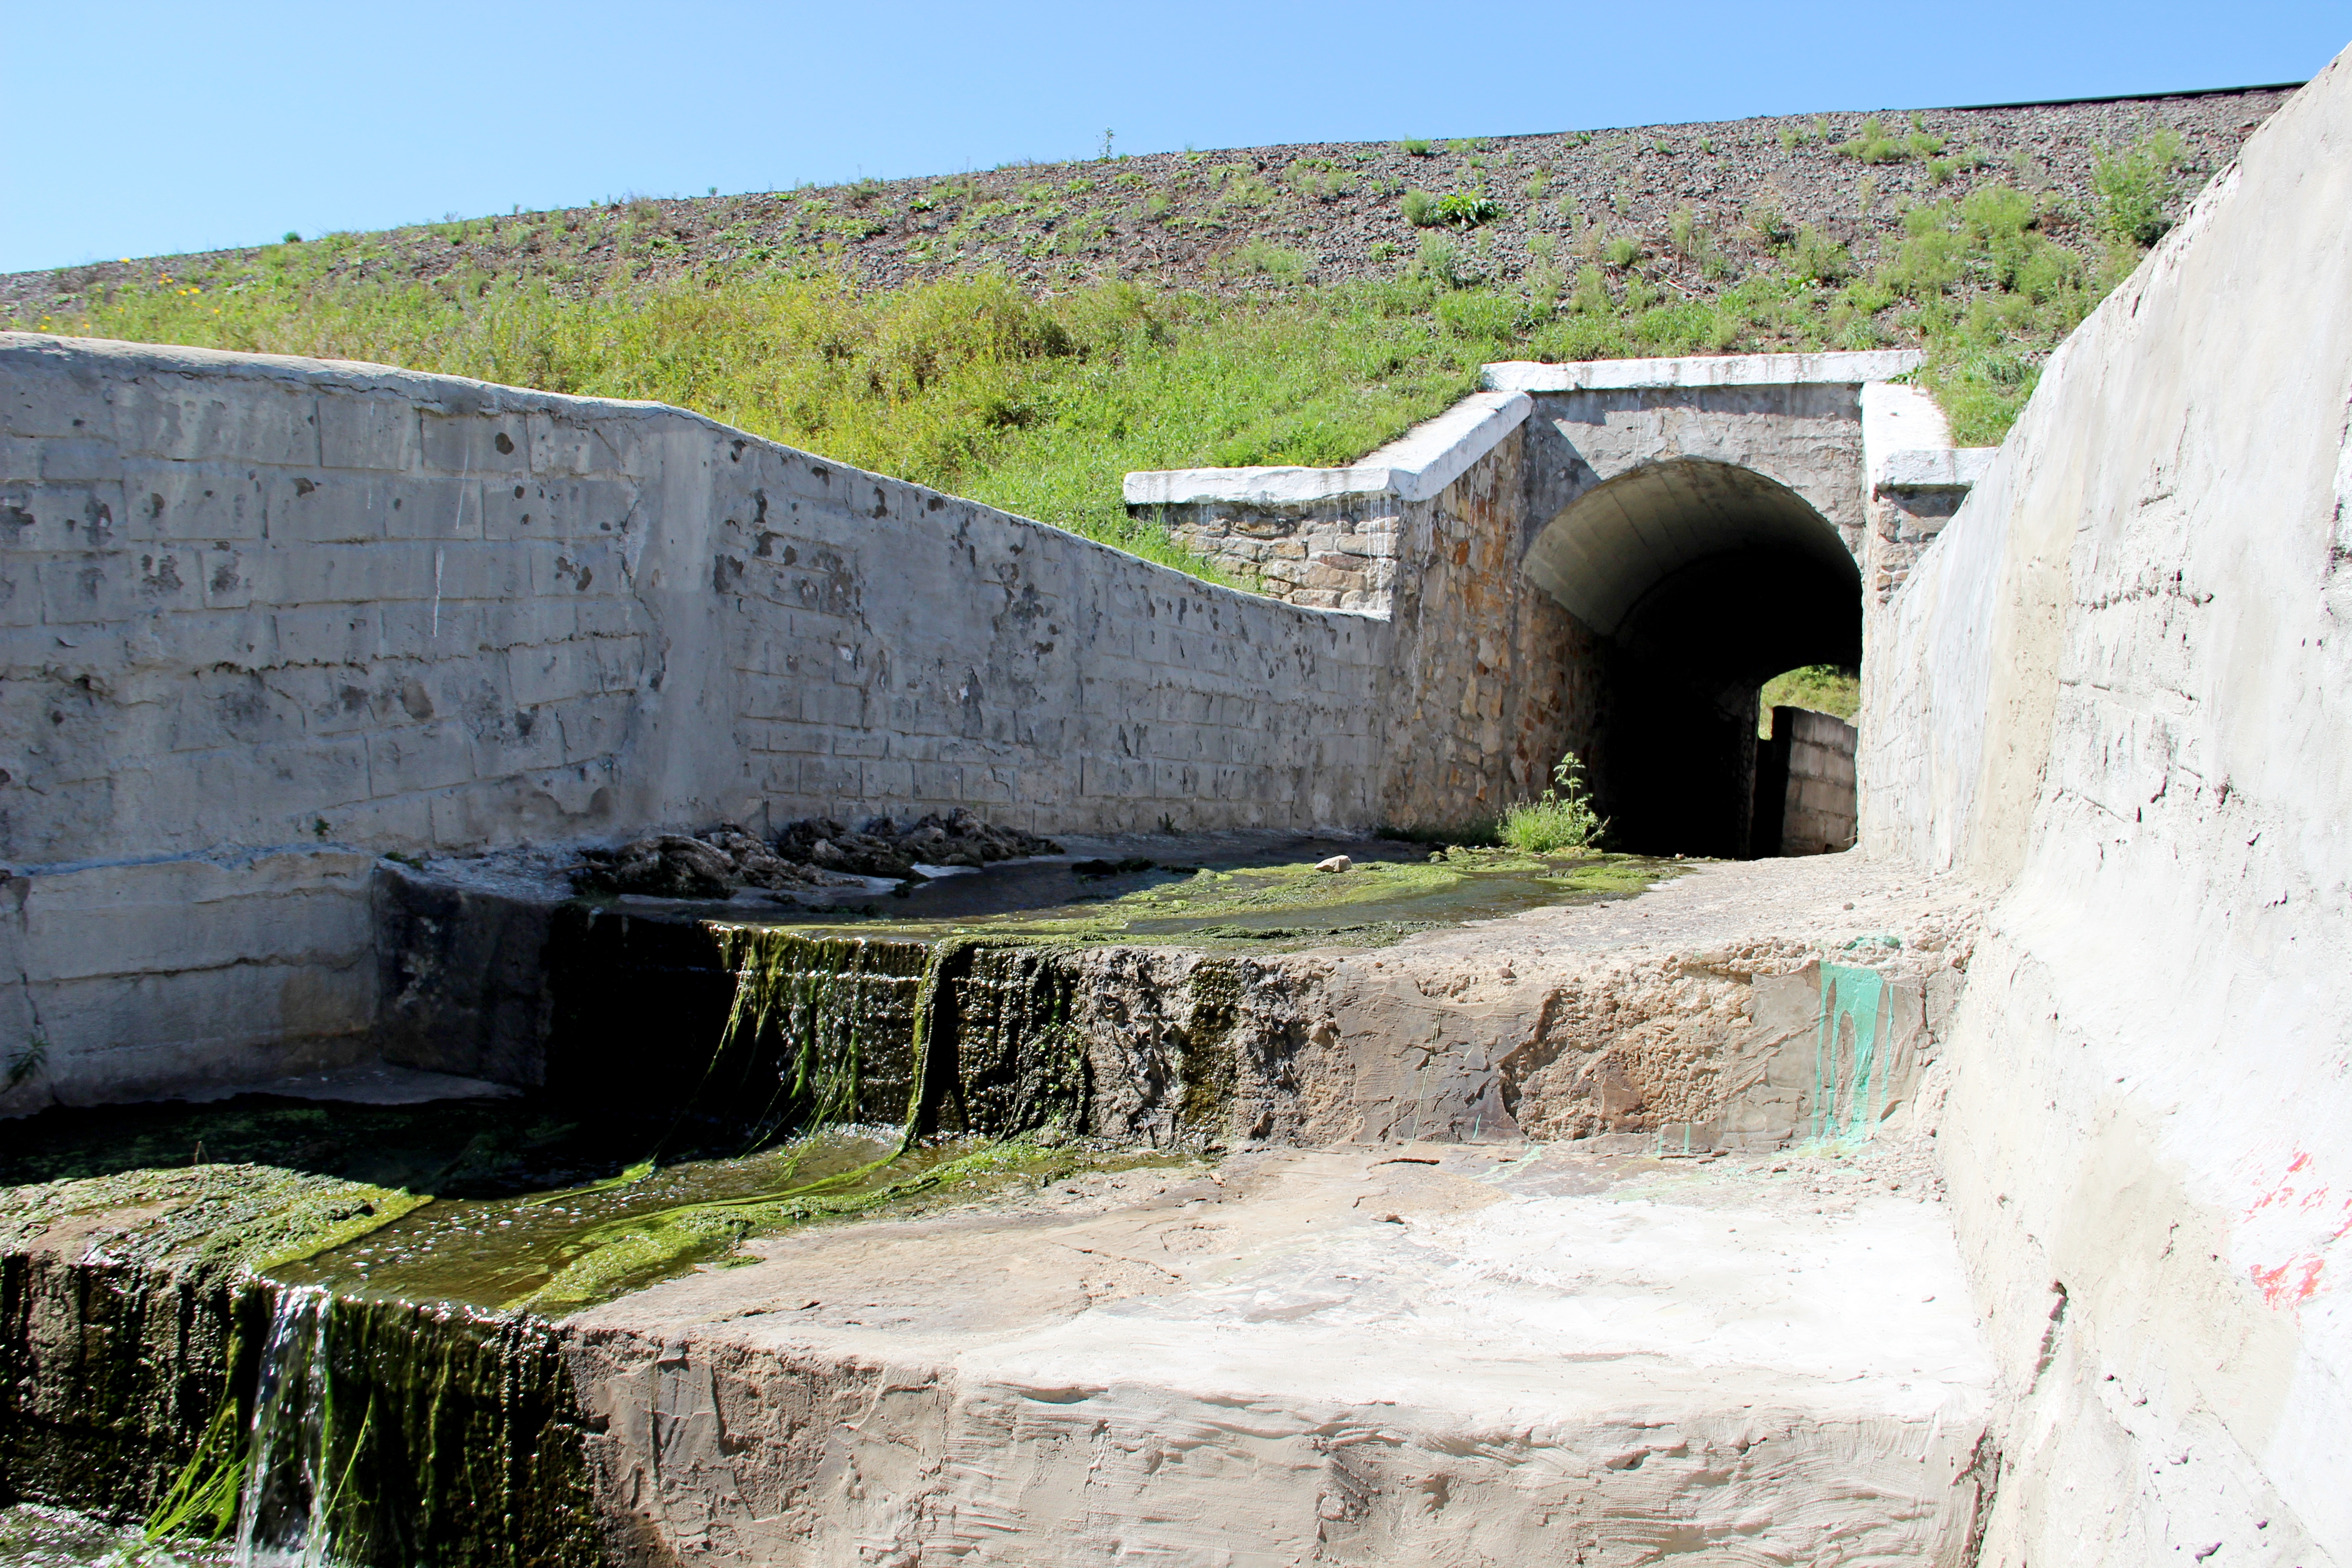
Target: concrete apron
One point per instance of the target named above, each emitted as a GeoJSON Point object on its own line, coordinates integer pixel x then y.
{"type": "Point", "coordinates": [1610, 1228]}
{"type": "Point", "coordinates": [1712, 1305]}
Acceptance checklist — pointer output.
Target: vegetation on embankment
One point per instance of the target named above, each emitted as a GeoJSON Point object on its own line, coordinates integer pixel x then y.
{"type": "Point", "coordinates": [1823, 688]}
{"type": "Point", "coordinates": [1009, 368]}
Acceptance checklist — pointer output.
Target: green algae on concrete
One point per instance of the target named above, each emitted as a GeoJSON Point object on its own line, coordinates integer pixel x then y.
{"type": "Point", "coordinates": [134, 1326]}
{"type": "Point", "coordinates": [633, 1253]}
{"type": "Point", "coordinates": [553, 1253]}
{"type": "Point", "coordinates": [1391, 891]}
{"type": "Point", "coordinates": [238, 1219]}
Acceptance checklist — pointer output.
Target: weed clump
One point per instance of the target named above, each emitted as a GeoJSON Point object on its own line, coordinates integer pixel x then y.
{"type": "Point", "coordinates": [1827, 689]}
{"type": "Point", "coordinates": [1875, 144]}
{"type": "Point", "coordinates": [1466, 209]}
{"type": "Point", "coordinates": [1562, 818]}
{"type": "Point", "coordinates": [2134, 185]}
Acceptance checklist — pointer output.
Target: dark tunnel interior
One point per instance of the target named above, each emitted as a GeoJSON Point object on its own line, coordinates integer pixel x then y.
{"type": "Point", "coordinates": [1704, 580]}
{"type": "Point", "coordinates": [1681, 737]}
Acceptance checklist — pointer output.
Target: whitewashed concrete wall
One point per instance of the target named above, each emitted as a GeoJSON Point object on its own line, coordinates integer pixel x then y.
{"type": "Point", "coordinates": [2117, 687]}
{"type": "Point", "coordinates": [266, 617]}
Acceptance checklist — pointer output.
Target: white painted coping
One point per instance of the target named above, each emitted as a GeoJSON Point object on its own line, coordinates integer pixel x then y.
{"type": "Point", "coordinates": [1415, 466]}
{"type": "Point", "coordinates": [1436, 452]}
{"type": "Point", "coordinates": [1933, 469]}
{"type": "Point", "coordinates": [1901, 418]}
{"type": "Point", "coordinates": [1705, 369]}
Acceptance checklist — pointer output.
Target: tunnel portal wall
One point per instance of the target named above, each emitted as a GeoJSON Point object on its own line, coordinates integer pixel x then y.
{"type": "Point", "coordinates": [2117, 686]}
{"type": "Point", "coordinates": [269, 618]}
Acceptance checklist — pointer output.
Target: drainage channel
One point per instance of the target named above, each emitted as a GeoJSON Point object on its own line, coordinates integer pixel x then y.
{"type": "Point", "coordinates": [273, 1333]}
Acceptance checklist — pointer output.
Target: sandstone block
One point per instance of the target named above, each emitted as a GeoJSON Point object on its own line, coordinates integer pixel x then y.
{"type": "Point", "coordinates": [82, 460]}
{"type": "Point", "coordinates": [88, 589]}
{"type": "Point", "coordinates": [419, 757]}
{"type": "Point", "coordinates": [594, 728]}
{"type": "Point", "coordinates": [563, 447]}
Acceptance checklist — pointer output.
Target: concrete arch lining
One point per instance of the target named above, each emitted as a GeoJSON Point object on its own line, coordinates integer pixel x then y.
{"type": "Point", "coordinates": [1599, 553]}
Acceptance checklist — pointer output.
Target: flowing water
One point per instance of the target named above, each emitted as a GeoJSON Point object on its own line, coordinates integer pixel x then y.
{"type": "Point", "coordinates": [32, 1536]}
{"type": "Point", "coordinates": [283, 1515]}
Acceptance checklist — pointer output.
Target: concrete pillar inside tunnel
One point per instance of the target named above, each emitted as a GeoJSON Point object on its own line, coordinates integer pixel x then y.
{"type": "Point", "coordinates": [1706, 580]}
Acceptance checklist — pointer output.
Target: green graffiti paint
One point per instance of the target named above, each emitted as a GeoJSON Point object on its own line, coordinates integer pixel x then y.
{"type": "Point", "coordinates": [1846, 1080]}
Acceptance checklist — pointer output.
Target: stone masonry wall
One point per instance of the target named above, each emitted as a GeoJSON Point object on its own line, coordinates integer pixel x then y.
{"type": "Point", "coordinates": [266, 618]}
{"type": "Point", "coordinates": [1334, 554]}
{"type": "Point", "coordinates": [1492, 679]}
{"type": "Point", "coordinates": [1902, 524]}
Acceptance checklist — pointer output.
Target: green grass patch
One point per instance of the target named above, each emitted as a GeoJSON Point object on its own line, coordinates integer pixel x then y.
{"type": "Point", "coordinates": [1040, 403]}
{"type": "Point", "coordinates": [1562, 819]}
{"type": "Point", "coordinates": [1823, 688]}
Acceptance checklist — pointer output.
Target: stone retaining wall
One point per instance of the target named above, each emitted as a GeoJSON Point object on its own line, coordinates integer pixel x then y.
{"type": "Point", "coordinates": [266, 618]}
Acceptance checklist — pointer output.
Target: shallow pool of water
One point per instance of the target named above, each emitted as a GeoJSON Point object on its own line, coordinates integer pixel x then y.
{"type": "Point", "coordinates": [559, 1251]}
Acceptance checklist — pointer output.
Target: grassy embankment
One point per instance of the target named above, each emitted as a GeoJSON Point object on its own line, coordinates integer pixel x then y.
{"type": "Point", "coordinates": [1823, 688]}
{"type": "Point", "coordinates": [1039, 404]}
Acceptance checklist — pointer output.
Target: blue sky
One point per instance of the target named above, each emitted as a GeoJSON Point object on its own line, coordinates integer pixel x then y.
{"type": "Point", "coordinates": [140, 129]}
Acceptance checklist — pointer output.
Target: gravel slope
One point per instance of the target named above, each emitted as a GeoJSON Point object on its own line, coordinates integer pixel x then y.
{"type": "Point", "coordinates": [1332, 210]}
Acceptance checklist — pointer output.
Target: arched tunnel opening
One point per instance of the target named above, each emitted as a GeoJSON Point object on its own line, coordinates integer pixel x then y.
{"type": "Point", "coordinates": [1703, 579]}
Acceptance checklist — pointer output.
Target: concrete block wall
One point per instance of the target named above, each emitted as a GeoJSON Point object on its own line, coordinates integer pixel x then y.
{"type": "Point", "coordinates": [897, 647]}
{"type": "Point", "coordinates": [1818, 813]}
{"type": "Point", "coordinates": [264, 618]}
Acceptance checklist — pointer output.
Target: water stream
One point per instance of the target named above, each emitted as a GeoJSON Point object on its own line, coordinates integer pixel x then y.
{"type": "Point", "coordinates": [283, 1514]}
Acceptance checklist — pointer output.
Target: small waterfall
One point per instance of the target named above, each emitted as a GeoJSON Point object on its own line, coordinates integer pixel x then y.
{"type": "Point", "coordinates": [282, 1511]}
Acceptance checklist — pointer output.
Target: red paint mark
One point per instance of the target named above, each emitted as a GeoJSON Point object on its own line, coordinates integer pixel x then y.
{"type": "Point", "coordinates": [2292, 1283]}
{"type": "Point", "coordinates": [2290, 1192]}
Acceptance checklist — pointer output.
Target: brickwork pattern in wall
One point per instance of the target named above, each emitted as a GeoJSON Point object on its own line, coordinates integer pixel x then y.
{"type": "Point", "coordinates": [250, 603]}
{"type": "Point", "coordinates": [273, 612]}
{"type": "Point", "coordinates": [894, 647]}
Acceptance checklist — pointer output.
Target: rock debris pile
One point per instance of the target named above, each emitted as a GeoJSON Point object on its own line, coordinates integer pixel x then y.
{"type": "Point", "coordinates": [815, 852]}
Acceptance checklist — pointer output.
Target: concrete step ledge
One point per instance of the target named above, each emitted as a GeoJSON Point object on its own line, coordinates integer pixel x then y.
{"type": "Point", "coordinates": [1931, 468]}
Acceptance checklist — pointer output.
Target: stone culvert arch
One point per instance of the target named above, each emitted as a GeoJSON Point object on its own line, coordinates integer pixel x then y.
{"type": "Point", "coordinates": [1605, 558]}
{"type": "Point", "coordinates": [1704, 578]}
